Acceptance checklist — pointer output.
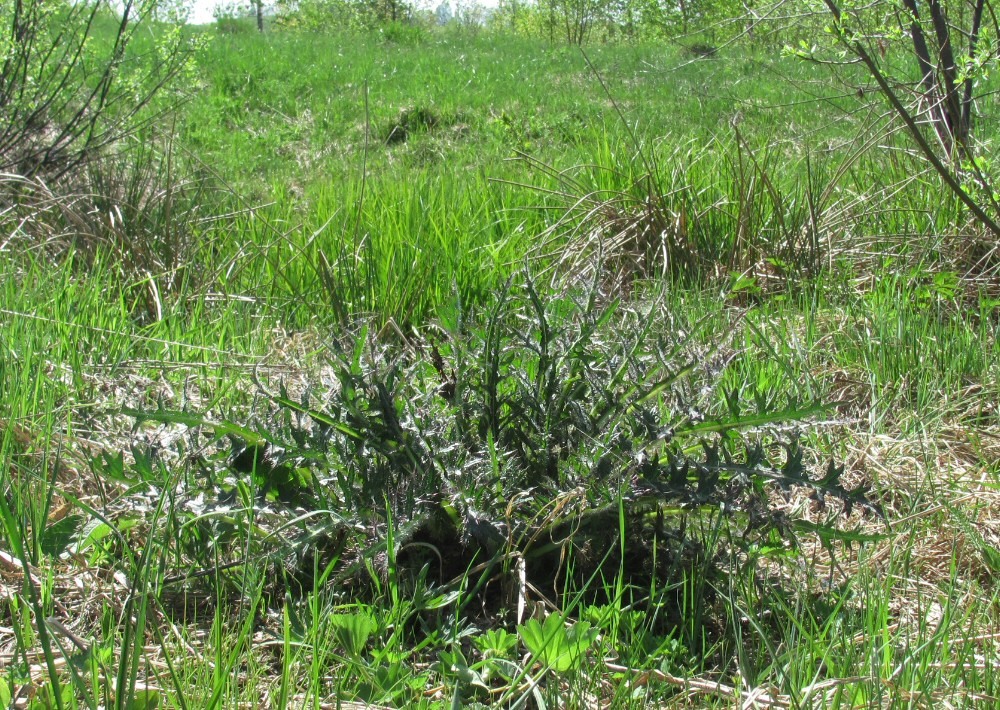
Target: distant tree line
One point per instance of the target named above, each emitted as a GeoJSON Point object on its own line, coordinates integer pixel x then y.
{"type": "Point", "coordinates": [572, 21]}
{"type": "Point", "coordinates": [582, 21]}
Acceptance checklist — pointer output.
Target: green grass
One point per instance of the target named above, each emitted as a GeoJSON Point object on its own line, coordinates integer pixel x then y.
{"type": "Point", "coordinates": [298, 124]}
{"type": "Point", "coordinates": [296, 438]}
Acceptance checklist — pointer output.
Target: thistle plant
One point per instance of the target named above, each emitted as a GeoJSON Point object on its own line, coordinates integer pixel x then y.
{"type": "Point", "coordinates": [544, 434]}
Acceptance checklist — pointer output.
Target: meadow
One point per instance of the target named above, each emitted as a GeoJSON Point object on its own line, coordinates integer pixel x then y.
{"type": "Point", "coordinates": [434, 367]}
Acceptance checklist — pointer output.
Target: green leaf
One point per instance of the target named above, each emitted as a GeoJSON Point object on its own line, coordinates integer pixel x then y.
{"type": "Point", "coordinates": [12, 529]}
{"type": "Point", "coordinates": [193, 419]}
{"type": "Point", "coordinates": [60, 535]}
{"type": "Point", "coordinates": [93, 532]}
{"type": "Point", "coordinates": [496, 643]}
{"type": "Point", "coordinates": [318, 416]}
{"type": "Point", "coordinates": [111, 466]}
{"type": "Point", "coordinates": [555, 645]}
{"type": "Point", "coordinates": [453, 663]}
{"type": "Point", "coordinates": [756, 420]}
{"type": "Point", "coordinates": [145, 700]}
{"type": "Point", "coordinates": [828, 534]}
{"type": "Point", "coordinates": [352, 631]}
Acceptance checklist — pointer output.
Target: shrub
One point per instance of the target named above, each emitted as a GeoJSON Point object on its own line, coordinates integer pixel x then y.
{"type": "Point", "coordinates": [69, 84]}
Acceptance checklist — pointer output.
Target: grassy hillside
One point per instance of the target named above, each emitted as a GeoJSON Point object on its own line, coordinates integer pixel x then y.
{"type": "Point", "coordinates": [428, 370]}
{"type": "Point", "coordinates": [423, 166]}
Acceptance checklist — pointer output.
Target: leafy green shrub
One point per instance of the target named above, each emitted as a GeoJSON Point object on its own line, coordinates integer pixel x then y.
{"type": "Point", "coordinates": [78, 81]}
{"type": "Point", "coordinates": [70, 83]}
{"type": "Point", "coordinates": [394, 20]}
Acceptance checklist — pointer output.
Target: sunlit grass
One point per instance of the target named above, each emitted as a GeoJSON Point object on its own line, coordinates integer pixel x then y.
{"type": "Point", "coordinates": [133, 517]}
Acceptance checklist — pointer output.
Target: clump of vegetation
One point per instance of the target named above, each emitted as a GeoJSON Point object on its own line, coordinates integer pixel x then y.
{"type": "Point", "coordinates": [410, 121]}
{"type": "Point", "coordinates": [642, 215]}
{"type": "Point", "coordinates": [129, 208]}
{"type": "Point", "coordinates": [702, 49]}
{"type": "Point", "coordinates": [557, 438]}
